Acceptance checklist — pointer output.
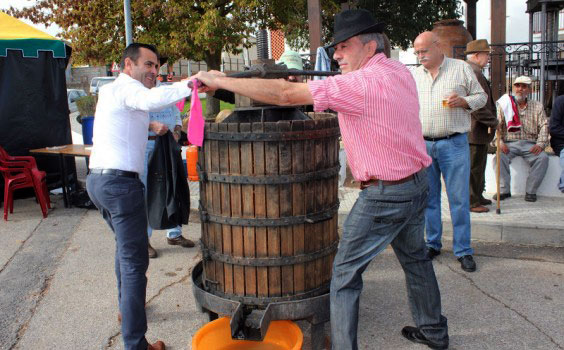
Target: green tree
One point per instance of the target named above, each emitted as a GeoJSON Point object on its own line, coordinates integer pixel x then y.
{"type": "Point", "coordinates": [405, 19]}
{"type": "Point", "coordinates": [202, 29]}
{"type": "Point", "coordinates": [197, 30]}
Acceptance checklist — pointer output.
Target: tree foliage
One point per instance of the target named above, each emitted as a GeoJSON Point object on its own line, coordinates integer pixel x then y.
{"type": "Point", "coordinates": [405, 19]}
{"type": "Point", "coordinates": [202, 29]}
{"type": "Point", "coordinates": [193, 30]}
{"type": "Point", "coordinates": [196, 30]}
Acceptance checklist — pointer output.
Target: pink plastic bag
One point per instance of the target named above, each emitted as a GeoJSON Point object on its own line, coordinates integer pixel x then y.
{"type": "Point", "coordinates": [196, 122]}
{"type": "Point", "coordinates": [180, 105]}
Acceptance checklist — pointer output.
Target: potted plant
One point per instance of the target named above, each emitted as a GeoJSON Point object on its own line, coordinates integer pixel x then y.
{"type": "Point", "coordinates": [86, 107]}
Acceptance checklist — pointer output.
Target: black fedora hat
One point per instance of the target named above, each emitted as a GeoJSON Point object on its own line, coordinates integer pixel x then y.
{"type": "Point", "coordinates": [350, 23]}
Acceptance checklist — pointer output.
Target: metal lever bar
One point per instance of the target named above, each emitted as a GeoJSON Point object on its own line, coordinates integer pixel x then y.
{"type": "Point", "coordinates": [277, 74]}
{"type": "Point", "coordinates": [261, 72]}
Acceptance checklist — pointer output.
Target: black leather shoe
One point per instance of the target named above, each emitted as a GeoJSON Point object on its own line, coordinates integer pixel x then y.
{"type": "Point", "coordinates": [502, 196]}
{"type": "Point", "coordinates": [181, 241]}
{"type": "Point", "coordinates": [530, 197]}
{"type": "Point", "coordinates": [432, 253]}
{"type": "Point", "coordinates": [467, 263]}
{"type": "Point", "coordinates": [484, 201]}
{"type": "Point", "coordinates": [414, 334]}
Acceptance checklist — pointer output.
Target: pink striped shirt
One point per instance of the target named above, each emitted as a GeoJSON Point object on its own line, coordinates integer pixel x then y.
{"type": "Point", "coordinates": [379, 119]}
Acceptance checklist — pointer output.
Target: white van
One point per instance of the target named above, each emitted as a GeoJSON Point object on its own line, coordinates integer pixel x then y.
{"type": "Point", "coordinates": [99, 81]}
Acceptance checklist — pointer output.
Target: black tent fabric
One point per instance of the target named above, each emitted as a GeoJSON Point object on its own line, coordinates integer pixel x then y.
{"type": "Point", "coordinates": [34, 112]}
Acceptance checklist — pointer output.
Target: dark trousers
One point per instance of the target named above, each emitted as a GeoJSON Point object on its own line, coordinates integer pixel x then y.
{"type": "Point", "coordinates": [381, 216]}
{"type": "Point", "coordinates": [121, 201]}
{"type": "Point", "coordinates": [478, 160]}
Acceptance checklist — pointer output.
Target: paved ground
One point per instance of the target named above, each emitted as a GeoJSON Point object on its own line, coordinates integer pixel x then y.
{"type": "Point", "coordinates": [57, 290]}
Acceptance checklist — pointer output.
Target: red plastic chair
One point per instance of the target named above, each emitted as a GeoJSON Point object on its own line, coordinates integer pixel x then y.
{"type": "Point", "coordinates": [22, 172]}
{"type": "Point", "coordinates": [28, 162]}
{"type": "Point", "coordinates": [4, 156]}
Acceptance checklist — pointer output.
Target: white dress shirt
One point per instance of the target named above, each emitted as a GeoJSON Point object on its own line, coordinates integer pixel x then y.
{"type": "Point", "coordinates": [121, 123]}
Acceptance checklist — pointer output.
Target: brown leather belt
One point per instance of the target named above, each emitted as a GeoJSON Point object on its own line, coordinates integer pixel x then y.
{"type": "Point", "coordinates": [152, 138]}
{"type": "Point", "coordinates": [375, 182]}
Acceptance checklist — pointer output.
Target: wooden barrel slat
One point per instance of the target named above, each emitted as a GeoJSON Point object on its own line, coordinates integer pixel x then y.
{"type": "Point", "coordinates": [205, 198]}
{"type": "Point", "coordinates": [272, 211]}
{"type": "Point", "coordinates": [319, 200]}
{"type": "Point", "coordinates": [248, 203]}
{"type": "Point", "coordinates": [332, 197]}
{"type": "Point", "coordinates": [309, 198]}
{"type": "Point", "coordinates": [236, 210]}
{"type": "Point", "coordinates": [260, 211]}
{"type": "Point", "coordinates": [223, 200]}
{"type": "Point", "coordinates": [215, 206]}
{"type": "Point", "coordinates": [298, 207]}
{"type": "Point", "coordinates": [226, 210]}
{"type": "Point", "coordinates": [286, 237]}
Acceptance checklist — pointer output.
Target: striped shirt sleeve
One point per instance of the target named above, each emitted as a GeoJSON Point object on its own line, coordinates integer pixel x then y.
{"type": "Point", "coordinates": [343, 93]}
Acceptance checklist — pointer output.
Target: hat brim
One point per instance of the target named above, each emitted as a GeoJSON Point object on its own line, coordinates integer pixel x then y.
{"type": "Point", "coordinates": [476, 51]}
{"type": "Point", "coordinates": [376, 28]}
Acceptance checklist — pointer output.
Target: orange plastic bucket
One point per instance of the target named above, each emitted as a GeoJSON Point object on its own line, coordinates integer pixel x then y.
{"type": "Point", "coordinates": [191, 162]}
{"type": "Point", "coordinates": [216, 335]}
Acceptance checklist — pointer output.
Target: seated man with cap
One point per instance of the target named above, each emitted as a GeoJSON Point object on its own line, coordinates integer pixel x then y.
{"type": "Point", "coordinates": [378, 110]}
{"type": "Point", "coordinates": [527, 141]}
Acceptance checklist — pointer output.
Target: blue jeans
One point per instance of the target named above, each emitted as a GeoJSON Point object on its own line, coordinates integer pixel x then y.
{"type": "Point", "coordinates": [122, 204]}
{"type": "Point", "coordinates": [384, 215]}
{"type": "Point", "coordinates": [170, 233]}
{"type": "Point", "coordinates": [451, 157]}
{"type": "Point", "coordinates": [561, 184]}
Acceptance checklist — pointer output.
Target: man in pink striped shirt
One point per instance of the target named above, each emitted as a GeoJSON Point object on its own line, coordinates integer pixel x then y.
{"type": "Point", "coordinates": [379, 119]}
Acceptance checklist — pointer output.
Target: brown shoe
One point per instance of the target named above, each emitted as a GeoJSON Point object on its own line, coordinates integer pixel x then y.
{"type": "Point", "coordinates": [159, 345]}
{"type": "Point", "coordinates": [152, 252]}
{"type": "Point", "coordinates": [181, 241]}
{"type": "Point", "coordinates": [479, 209]}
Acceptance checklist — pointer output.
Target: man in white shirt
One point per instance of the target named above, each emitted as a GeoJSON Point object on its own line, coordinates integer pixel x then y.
{"type": "Point", "coordinates": [120, 136]}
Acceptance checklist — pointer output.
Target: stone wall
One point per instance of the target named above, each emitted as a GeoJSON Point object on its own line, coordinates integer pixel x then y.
{"type": "Point", "coordinates": [80, 77]}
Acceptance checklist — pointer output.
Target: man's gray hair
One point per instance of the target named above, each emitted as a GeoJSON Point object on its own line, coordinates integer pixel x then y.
{"type": "Point", "coordinates": [377, 37]}
{"type": "Point", "coordinates": [471, 55]}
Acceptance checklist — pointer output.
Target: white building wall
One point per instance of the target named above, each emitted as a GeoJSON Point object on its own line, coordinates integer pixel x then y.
{"type": "Point", "coordinates": [520, 171]}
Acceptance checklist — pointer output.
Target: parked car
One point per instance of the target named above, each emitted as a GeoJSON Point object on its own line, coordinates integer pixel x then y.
{"type": "Point", "coordinates": [96, 82]}
{"type": "Point", "coordinates": [72, 96]}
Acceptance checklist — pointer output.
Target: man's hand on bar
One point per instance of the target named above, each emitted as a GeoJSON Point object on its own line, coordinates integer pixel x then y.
{"type": "Point", "coordinates": [209, 79]}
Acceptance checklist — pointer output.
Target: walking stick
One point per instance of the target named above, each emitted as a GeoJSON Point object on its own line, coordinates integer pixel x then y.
{"type": "Point", "coordinates": [497, 171]}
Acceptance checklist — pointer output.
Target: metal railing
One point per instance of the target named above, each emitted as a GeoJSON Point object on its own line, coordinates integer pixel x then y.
{"type": "Point", "coordinates": [542, 61]}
